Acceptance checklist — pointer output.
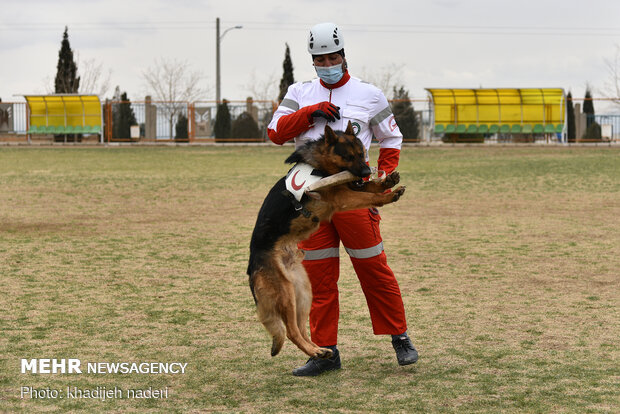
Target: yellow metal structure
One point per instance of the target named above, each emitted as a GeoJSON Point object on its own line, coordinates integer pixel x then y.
{"type": "Point", "coordinates": [64, 114]}
{"type": "Point", "coordinates": [526, 111]}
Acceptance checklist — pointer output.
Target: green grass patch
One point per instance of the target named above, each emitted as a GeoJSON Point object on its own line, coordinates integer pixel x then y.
{"type": "Point", "coordinates": [507, 259]}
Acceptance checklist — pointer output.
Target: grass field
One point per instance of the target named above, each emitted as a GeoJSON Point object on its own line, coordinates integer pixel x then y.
{"type": "Point", "coordinates": [508, 259]}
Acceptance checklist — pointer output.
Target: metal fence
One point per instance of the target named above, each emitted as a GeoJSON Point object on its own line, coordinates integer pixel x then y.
{"type": "Point", "coordinates": [13, 118]}
{"type": "Point", "coordinates": [164, 120]}
{"type": "Point", "coordinates": [610, 126]}
{"type": "Point", "coordinates": [158, 121]}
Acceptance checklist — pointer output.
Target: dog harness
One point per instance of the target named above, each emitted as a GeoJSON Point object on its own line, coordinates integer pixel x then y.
{"type": "Point", "coordinates": [300, 177]}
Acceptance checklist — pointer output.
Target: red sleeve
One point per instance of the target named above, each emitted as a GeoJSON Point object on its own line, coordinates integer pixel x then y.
{"type": "Point", "coordinates": [388, 159]}
{"type": "Point", "coordinates": [291, 125]}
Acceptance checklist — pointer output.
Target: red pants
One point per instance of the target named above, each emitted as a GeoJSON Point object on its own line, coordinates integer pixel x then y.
{"type": "Point", "coordinates": [359, 232]}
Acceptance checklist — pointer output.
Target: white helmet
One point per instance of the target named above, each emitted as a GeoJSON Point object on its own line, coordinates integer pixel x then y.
{"type": "Point", "coordinates": [325, 38]}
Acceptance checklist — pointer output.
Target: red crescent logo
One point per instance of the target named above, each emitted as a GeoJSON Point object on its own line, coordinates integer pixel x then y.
{"type": "Point", "coordinates": [295, 186]}
{"type": "Point", "coordinates": [393, 123]}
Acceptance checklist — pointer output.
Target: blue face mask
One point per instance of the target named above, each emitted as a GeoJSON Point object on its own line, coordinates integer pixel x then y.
{"type": "Point", "coordinates": [330, 74]}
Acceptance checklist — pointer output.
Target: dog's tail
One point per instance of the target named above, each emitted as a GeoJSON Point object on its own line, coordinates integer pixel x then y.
{"type": "Point", "coordinates": [277, 330]}
{"type": "Point", "coordinates": [278, 339]}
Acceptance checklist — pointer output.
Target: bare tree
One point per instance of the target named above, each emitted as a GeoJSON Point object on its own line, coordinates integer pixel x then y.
{"type": "Point", "coordinates": [263, 89]}
{"type": "Point", "coordinates": [93, 80]}
{"type": "Point", "coordinates": [388, 78]}
{"type": "Point", "coordinates": [174, 84]}
{"type": "Point", "coordinates": [611, 88]}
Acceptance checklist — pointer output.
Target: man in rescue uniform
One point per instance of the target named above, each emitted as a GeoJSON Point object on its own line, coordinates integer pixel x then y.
{"type": "Point", "coordinates": [337, 98]}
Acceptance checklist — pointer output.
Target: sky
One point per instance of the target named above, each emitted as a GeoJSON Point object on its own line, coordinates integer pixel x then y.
{"type": "Point", "coordinates": [418, 43]}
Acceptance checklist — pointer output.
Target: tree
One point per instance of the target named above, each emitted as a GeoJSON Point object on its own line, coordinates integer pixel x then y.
{"type": "Point", "coordinates": [66, 80]}
{"type": "Point", "coordinates": [611, 88]}
{"type": "Point", "coordinates": [123, 116]}
{"type": "Point", "coordinates": [222, 121]}
{"type": "Point", "coordinates": [181, 128]}
{"type": "Point", "coordinates": [287, 73]}
{"type": "Point", "coordinates": [245, 127]}
{"type": "Point", "coordinates": [174, 85]}
{"type": "Point", "coordinates": [588, 107]}
{"type": "Point", "coordinates": [593, 130]}
{"type": "Point", "coordinates": [570, 118]}
{"type": "Point", "coordinates": [405, 114]}
{"type": "Point", "coordinates": [92, 78]}
{"type": "Point", "coordinates": [389, 77]}
{"type": "Point", "coordinates": [263, 89]}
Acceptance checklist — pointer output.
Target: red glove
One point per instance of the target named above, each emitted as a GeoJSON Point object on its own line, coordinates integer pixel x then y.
{"type": "Point", "coordinates": [324, 109]}
{"type": "Point", "coordinates": [291, 125]}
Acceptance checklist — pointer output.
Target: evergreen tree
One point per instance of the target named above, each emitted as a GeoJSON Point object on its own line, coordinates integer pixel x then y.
{"type": "Point", "coordinates": [181, 128]}
{"type": "Point", "coordinates": [287, 75]}
{"type": "Point", "coordinates": [222, 121]}
{"type": "Point", "coordinates": [570, 118]}
{"type": "Point", "coordinates": [405, 114]}
{"type": "Point", "coordinates": [588, 108]}
{"type": "Point", "coordinates": [124, 118]}
{"type": "Point", "coordinates": [593, 130]}
{"type": "Point", "coordinates": [66, 80]}
{"type": "Point", "coordinates": [245, 127]}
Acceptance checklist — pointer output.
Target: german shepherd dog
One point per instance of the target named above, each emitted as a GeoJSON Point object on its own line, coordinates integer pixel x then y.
{"type": "Point", "coordinates": [278, 281]}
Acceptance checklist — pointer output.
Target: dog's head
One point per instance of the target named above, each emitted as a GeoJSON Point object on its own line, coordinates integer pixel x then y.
{"type": "Point", "coordinates": [346, 152]}
{"type": "Point", "coordinates": [338, 151]}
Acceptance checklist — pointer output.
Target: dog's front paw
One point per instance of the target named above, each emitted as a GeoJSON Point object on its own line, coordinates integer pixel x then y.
{"type": "Point", "coordinates": [397, 193]}
{"type": "Point", "coordinates": [324, 353]}
{"type": "Point", "coordinates": [392, 179]}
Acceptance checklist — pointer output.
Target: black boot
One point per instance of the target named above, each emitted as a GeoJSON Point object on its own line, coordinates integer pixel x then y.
{"type": "Point", "coordinates": [316, 366]}
{"type": "Point", "coordinates": [405, 351]}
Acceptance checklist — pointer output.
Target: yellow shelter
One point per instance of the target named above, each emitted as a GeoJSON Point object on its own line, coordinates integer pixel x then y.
{"type": "Point", "coordinates": [64, 114]}
{"type": "Point", "coordinates": [491, 111]}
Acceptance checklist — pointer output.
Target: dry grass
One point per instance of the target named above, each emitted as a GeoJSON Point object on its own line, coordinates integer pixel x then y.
{"type": "Point", "coordinates": [508, 260]}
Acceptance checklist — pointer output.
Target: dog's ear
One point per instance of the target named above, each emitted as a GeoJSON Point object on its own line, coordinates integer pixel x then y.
{"type": "Point", "coordinates": [294, 158]}
{"type": "Point", "coordinates": [349, 130]}
{"type": "Point", "coordinates": [330, 135]}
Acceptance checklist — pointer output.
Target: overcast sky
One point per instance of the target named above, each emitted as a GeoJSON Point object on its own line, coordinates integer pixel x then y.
{"type": "Point", "coordinates": [424, 43]}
